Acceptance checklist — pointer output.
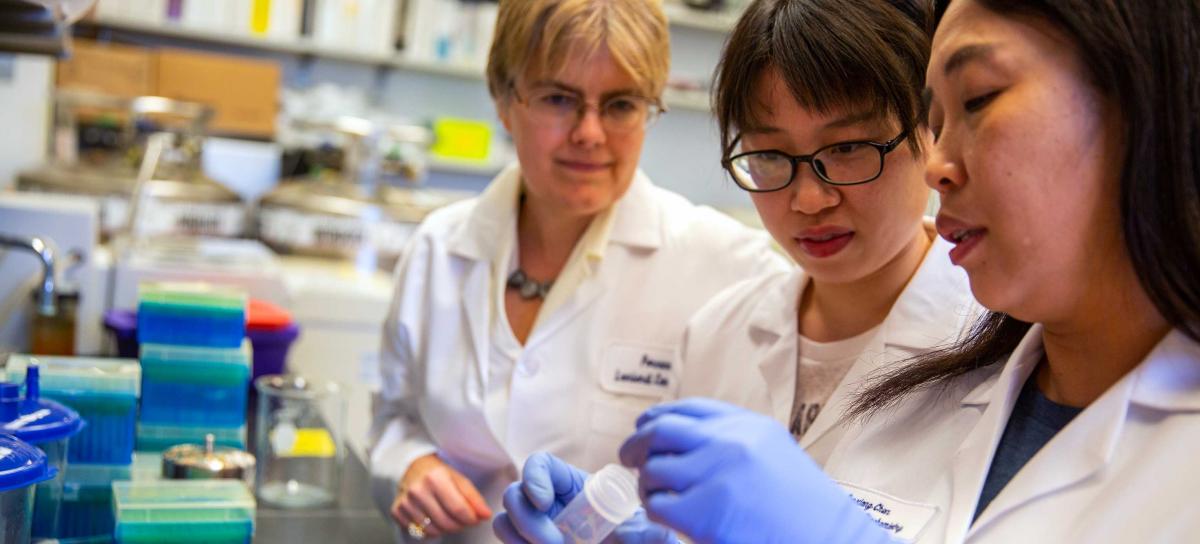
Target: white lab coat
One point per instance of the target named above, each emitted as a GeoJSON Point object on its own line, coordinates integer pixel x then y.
{"type": "Point", "coordinates": [576, 387]}
{"type": "Point", "coordinates": [742, 347]}
{"type": "Point", "coordinates": [1124, 470]}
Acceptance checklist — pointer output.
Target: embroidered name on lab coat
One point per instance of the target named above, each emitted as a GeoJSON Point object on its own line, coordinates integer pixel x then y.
{"type": "Point", "coordinates": [904, 519]}
{"type": "Point", "coordinates": [631, 369]}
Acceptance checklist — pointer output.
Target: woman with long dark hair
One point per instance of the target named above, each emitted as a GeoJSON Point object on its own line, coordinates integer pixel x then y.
{"type": "Point", "coordinates": [1066, 155]}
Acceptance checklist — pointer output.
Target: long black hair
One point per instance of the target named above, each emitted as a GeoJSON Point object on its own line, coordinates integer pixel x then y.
{"type": "Point", "coordinates": [1144, 55]}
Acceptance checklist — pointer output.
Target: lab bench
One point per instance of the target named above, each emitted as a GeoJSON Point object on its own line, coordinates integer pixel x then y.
{"type": "Point", "coordinates": [353, 519]}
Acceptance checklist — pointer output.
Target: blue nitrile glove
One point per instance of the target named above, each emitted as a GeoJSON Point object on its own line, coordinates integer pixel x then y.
{"type": "Point", "coordinates": [719, 473]}
{"type": "Point", "coordinates": [547, 485]}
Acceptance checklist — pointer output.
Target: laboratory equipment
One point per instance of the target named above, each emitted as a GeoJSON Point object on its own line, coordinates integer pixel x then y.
{"type": "Point", "coordinates": [610, 496]}
{"type": "Point", "coordinates": [87, 503]}
{"type": "Point", "coordinates": [341, 311]}
{"type": "Point", "coordinates": [103, 391]}
{"type": "Point", "coordinates": [548, 484]}
{"type": "Point", "coordinates": [122, 324]}
{"type": "Point", "coordinates": [183, 511]}
{"type": "Point", "coordinates": [195, 462]}
{"type": "Point", "coordinates": [185, 201]}
{"type": "Point", "coordinates": [245, 264]}
{"type": "Point", "coordinates": [47, 425]}
{"type": "Point", "coordinates": [271, 332]}
{"type": "Point", "coordinates": [194, 386]}
{"type": "Point", "coordinates": [360, 204]}
{"type": "Point", "coordinates": [22, 466]}
{"type": "Point", "coordinates": [298, 438]}
{"type": "Point", "coordinates": [191, 314]}
{"type": "Point", "coordinates": [269, 328]}
{"type": "Point", "coordinates": [156, 438]}
{"type": "Point", "coordinates": [146, 466]}
{"type": "Point", "coordinates": [39, 26]}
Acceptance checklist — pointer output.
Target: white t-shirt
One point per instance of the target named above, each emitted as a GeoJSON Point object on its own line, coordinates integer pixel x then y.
{"type": "Point", "coordinates": [820, 369]}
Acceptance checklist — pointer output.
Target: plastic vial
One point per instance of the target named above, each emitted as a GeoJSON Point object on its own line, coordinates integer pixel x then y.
{"type": "Point", "coordinates": [610, 496]}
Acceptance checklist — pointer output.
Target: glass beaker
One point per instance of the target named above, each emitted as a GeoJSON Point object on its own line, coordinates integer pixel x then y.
{"type": "Point", "coordinates": [298, 441]}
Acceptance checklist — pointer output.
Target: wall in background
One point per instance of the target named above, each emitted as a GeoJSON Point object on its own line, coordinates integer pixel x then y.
{"type": "Point", "coordinates": [25, 85]}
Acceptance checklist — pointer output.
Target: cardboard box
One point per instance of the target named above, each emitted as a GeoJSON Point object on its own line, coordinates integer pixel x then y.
{"type": "Point", "coordinates": [118, 70]}
{"type": "Point", "coordinates": [244, 92]}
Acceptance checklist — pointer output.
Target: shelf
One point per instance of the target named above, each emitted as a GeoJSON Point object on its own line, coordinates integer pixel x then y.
{"type": "Point", "coordinates": [473, 168]}
{"type": "Point", "coordinates": [685, 100]}
{"type": "Point", "coordinates": [712, 21]}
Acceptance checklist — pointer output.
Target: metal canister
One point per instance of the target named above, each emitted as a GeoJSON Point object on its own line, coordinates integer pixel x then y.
{"type": "Point", "coordinates": [195, 462]}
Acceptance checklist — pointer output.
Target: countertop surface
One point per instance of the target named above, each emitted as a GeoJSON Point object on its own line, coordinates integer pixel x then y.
{"type": "Point", "coordinates": [353, 520]}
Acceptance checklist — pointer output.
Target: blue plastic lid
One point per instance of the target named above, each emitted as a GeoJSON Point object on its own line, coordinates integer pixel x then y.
{"type": "Point", "coordinates": [38, 420]}
{"type": "Point", "coordinates": [22, 465]}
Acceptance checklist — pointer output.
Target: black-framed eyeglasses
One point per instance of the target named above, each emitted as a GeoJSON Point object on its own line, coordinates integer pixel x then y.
{"type": "Point", "coordinates": [561, 108]}
{"type": "Point", "coordinates": [842, 163]}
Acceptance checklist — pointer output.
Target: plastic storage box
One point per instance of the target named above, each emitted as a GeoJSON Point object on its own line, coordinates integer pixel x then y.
{"type": "Point", "coordinates": [87, 503]}
{"type": "Point", "coordinates": [191, 314]}
{"type": "Point", "coordinates": [146, 466]}
{"type": "Point", "coordinates": [155, 438]}
{"type": "Point", "coordinates": [103, 391]}
{"type": "Point", "coordinates": [177, 511]}
{"type": "Point", "coordinates": [194, 386]}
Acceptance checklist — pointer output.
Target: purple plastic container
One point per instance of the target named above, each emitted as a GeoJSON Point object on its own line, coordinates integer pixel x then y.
{"type": "Point", "coordinates": [123, 324]}
{"type": "Point", "coordinates": [271, 349]}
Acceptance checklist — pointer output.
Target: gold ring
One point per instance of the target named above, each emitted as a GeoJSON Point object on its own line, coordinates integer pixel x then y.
{"type": "Point", "coordinates": [417, 532]}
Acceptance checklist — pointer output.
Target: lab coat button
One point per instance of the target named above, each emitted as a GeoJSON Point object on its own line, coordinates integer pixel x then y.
{"type": "Point", "coordinates": [531, 366]}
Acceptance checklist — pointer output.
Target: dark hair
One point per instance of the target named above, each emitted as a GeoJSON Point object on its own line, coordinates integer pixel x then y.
{"type": "Point", "coordinates": [830, 54]}
{"type": "Point", "coordinates": [1143, 56]}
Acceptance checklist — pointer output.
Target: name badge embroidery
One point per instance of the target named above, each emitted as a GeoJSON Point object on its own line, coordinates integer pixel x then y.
{"type": "Point", "coordinates": [638, 370]}
{"type": "Point", "coordinates": [904, 519]}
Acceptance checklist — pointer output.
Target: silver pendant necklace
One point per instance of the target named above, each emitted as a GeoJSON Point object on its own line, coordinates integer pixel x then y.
{"type": "Point", "coordinates": [529, 289]}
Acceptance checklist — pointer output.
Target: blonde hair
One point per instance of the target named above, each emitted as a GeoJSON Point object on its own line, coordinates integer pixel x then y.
{"type": "Point", "coordinates": [543, 34]}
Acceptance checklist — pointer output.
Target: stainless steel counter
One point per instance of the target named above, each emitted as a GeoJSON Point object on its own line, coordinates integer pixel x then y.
{"type": "Point", "coordinates": [353, 520]}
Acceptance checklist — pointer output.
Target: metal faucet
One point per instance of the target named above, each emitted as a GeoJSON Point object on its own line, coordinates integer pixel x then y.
{"type": "Point", "coordinates": [44, 249]}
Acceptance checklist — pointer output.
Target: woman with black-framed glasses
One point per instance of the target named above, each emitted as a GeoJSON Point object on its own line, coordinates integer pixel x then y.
{"type": "Point", "coordinates": [819, 105]}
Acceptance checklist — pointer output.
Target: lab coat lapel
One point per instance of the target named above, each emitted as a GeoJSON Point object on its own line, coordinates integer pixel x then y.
{"type": "Point", "coordinates": [831, 415]}
{"type": "Point", "coordinates": [775, 317]}
{"type": "Point", "coordinates": [974, 455]}
{"type": "Point", "coordinates": [1078, 451]}
{"type": "Point", "coordinates": [486, 234]}
{"type": "Point", "coordinates": [587, 290]}
{"type": "Point", "coordinates": [475, 297]}
{"type": "Point", "coordinates": [1168, 380]}
{"type": "Point", "coordinates": [916, 323]}
{"type": "Point", "coordinates": [637, 222]}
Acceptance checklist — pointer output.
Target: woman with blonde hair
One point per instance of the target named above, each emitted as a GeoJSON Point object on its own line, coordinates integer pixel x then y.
{"type": "Point", "coordinates": [543, 314]}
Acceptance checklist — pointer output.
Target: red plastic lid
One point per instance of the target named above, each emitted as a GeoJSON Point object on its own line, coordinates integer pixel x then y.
{"type": "Point", "coordinates": [262, 315]}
